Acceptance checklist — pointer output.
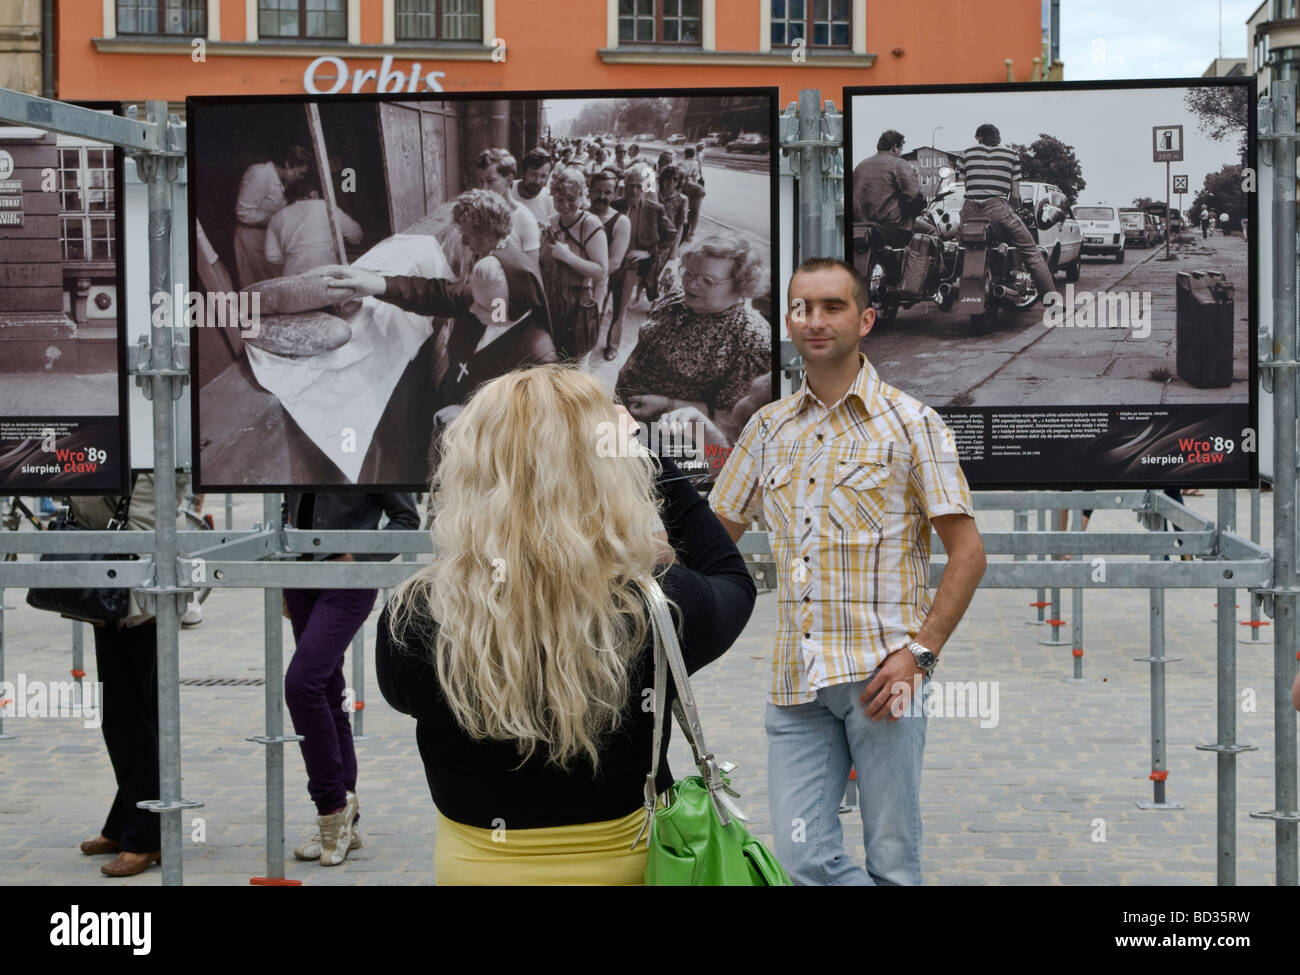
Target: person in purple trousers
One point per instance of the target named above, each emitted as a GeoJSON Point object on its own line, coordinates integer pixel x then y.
{"type": "Point", "coordinates": [324, 622]}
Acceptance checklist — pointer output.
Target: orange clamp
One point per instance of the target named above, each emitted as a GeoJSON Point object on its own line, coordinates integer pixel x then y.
{"type": "Point", "coordinates": [359, 706]}
{"type": "Point", "coordinates": [1077, 651]}
{"type": "Point", "coordinates": [1255, 623]}
{"type": "Point", "coordinates": [1040, 604]}
{"type": "Point", "coordinates": [1159, 775]}
{"type": "Point", "coordinates": [1055, 622]}
{"type": "Point", "coordinates": [77, 673]}
{"type": "Point", "coordinates": [274, 882]}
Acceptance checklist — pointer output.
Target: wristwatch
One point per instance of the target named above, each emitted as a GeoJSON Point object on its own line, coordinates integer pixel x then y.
{"type": "Point", "coordinates": [926, 659]}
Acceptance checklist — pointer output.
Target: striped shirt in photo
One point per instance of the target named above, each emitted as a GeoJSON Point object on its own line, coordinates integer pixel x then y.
{"type": "Point", "coordinates": [988, 171]}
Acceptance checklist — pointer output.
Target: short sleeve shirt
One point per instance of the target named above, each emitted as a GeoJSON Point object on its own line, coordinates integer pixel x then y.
{"type": "Point", "coordinates": [848, 492]}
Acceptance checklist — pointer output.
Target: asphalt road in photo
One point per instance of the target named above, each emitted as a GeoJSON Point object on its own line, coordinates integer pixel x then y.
{"type": "Point", "coordinates": [936, 357]}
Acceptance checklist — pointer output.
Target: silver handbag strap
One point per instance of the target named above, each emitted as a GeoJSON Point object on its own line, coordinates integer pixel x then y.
{"type": "Point", "coordinates": [668, 657]}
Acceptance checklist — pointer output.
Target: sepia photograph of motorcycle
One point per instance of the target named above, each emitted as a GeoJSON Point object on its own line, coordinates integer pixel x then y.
{"type": "Point", "coordinates": [1064, 271]}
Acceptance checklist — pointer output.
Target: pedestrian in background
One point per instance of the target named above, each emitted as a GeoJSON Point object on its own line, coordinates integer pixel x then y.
{"type": "Point", "coordinates": [126, 664]}
{"type": "Point", "coordinates": [324, 622]}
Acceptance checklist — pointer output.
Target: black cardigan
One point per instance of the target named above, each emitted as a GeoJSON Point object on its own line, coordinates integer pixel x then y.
{"type": "Point", "coordinates": [477, 782]}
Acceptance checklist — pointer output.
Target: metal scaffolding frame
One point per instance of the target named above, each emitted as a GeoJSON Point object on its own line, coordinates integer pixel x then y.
{"type": "Point", "coordinates": [265, 556]}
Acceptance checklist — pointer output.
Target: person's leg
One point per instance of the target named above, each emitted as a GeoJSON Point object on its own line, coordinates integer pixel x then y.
{"type": "Point", "coordinates": [887, 756]}
{"type": "Point", "coordinates": [807, 767]}
{"type": "Point", "coordinates": [126, 659]}
{"type": "Point", "coordinates": [324, 623]}
{"type": "Point", "coordinates": [620, 286]}
{"type": "Point", "coordinates": [1017, 234]}
{"type": "Point", "coordinates": [336, 690]}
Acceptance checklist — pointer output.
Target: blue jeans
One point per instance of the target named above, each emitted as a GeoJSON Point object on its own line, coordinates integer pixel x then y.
{"type": "Point", "coordinates": [810, 748]}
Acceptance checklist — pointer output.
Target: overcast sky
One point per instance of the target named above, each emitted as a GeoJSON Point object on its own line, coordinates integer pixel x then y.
{"type": "Point", "coordinates": [1103, 39]}
{"type": "Point", "coordinates": [1109, 130]}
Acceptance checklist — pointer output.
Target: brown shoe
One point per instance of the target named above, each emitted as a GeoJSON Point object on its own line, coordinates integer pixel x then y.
{"type": "Point", "coordinates": [99, 845]}
{"type": "Point", "coordinates": [130, 864]}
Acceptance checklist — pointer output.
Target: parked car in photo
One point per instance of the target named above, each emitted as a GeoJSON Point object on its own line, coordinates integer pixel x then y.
{"type": "Point", "coordinates": [1063, 242]}
{"type": "Point", "coordinates": [1103, 233]}
{"type": "Point", "coordinates": [1176, 222]}
{"type": "Point", "coordinates": [676, 139]}
{"type": "Point", "coordinates": [1139, 228]}
{"type": "Point", "coordinates": [749, 142]}
{"type": "Point", "coordinates": [712, 139]}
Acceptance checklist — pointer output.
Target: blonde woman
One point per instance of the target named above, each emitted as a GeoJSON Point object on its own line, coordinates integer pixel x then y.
{"type": "Point", "coordinates": [574, 265]}
{"type": "Point", "coordinates": [523, 650]}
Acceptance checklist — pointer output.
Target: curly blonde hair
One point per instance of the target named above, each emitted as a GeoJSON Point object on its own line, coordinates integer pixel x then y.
{"type": "Point", "coordinates": [543, 540]}
{"type": "Point", "coordinates": [570, 182]}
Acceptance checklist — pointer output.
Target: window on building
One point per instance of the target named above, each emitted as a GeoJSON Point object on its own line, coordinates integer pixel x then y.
{"type": "Point", "coordinates": [818, 23]}
{"type": "Point", "coordinates": [86, 207]}
{"type": "Point", "coordinates": [659, 21]}
{"type": "Point", "coordinates": [162, 17]}
{"type": "Point", "coordinates": [438, 20]}
{"type": "Point", "coordinates": [303, 18]}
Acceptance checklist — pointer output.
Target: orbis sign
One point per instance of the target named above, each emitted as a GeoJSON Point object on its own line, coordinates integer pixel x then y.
{"type": "Point", "coordinates": [328, 75]}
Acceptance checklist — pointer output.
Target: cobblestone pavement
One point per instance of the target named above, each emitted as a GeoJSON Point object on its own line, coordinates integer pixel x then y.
{"type": "Point", "coordinates": [1047, 796]}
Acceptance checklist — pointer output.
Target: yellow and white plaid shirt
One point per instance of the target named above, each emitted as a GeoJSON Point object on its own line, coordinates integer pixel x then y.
{"type": "Point", "coordinates": [847, 493]}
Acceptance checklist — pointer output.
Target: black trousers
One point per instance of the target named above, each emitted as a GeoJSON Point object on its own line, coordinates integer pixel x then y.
{"type": "Point", "coordinates": [127, 662]}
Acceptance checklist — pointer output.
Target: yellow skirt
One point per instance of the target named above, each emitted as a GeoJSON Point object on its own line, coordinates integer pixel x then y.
{"type": "Point", "coordinates": [585, 853]}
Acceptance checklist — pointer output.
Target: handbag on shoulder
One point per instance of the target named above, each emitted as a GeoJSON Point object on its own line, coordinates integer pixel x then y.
{"type": "Point", "coordinates": [697, 838]}
{"type": "Point", "coordinates": [88, 605]}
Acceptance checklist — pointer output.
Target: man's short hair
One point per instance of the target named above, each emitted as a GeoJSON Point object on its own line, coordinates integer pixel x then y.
{"type": "Point", "coordinates": [860, 287]}
{"type": "Point", "coordinates": [988, 135]}
{"type": "Point", "coordinates": [605, 174]}
{"type": "Point", "coordinates": [889, 139]}
{"type": "Point", "coordinates": [536, 159]}
{"type": "Point", "coordinates": [501, 159]}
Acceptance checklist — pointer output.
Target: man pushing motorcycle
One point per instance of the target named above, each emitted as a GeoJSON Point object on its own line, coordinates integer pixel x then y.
{"type": "Point", "coordinates": [991, 172]}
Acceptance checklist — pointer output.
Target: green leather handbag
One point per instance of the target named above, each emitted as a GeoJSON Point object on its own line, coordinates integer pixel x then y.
{"type": "Point", "coordinates": [697, 837]}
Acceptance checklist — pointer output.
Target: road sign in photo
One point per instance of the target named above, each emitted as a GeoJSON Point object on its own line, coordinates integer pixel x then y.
{"type": "Point", "coordinates": [1167, 143]}
{"type": "Point", "coordinates": [1180, 184]}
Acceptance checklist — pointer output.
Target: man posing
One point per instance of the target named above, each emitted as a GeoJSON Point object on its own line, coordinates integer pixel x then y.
{"type": "Point", "coordinates": [850, 474]}
{"type": "Point", "coordinates": [991, 172]}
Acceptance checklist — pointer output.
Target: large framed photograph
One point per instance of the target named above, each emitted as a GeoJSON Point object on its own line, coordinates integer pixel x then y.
{"type": "Point", "coordinates": [361, 264]}
{"type": "Point", "coordinates": [63, 377]}
{"type": "Point", "coordinates": [1065, 272]}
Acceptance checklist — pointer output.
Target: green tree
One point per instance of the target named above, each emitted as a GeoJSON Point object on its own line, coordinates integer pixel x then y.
{"type": "Point", "coordinates": [636, 115]}
{"type": "Point", "coordinates": [1222, 113]}
{"type": "Point", "coordinates": [1050, 160]}
{"type": "Point", "coordinates": [1221, 193]}
{"type": "Point", "coordinates": [597, 116]}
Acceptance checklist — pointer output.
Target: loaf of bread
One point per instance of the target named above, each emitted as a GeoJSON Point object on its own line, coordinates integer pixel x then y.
{"type": "Point", "coordinates": [300, 334]}
{"type": "Point", "coordinates": [299, 292]}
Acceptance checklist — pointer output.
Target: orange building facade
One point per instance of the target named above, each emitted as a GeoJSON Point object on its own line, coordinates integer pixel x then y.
{"type": "Point", "coordinates": [169, 49]}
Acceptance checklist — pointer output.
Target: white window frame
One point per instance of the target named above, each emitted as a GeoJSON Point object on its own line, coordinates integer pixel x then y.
{"type": "Point", "coordinates": [488, 18]}
{"type": "Point", "coordinates": [857, 29]}
{"type": "Point", "coordinates": [109, 29]}
{"type": "Point", "coordinates": [353, 15]}
{"type": "Point", "coordinates": [708, 26]}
